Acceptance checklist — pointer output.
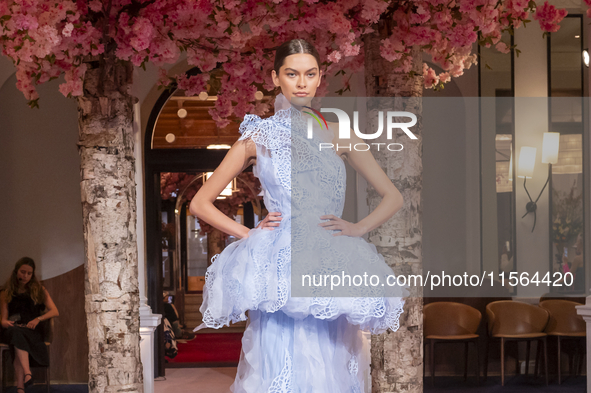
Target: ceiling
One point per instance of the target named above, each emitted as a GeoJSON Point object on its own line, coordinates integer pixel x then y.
{"type": "Point", "coordinates": [196, 130]}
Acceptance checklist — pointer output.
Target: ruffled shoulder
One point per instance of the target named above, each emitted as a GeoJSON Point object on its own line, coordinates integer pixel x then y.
{"type": "Point", "coordinates": [273, 132]}
{"type": "Point", "coordinates": [251, 128]}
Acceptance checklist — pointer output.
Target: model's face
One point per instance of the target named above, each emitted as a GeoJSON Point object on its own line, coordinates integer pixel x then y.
{"type": "Point", "coordinates": [299, 77]}
{"type": "Point", "coordinates": [24, 274]}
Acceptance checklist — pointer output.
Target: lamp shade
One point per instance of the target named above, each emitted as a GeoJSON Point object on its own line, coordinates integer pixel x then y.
{"type": "Point", "coordinates": [550, 147]}
{"type": "Point", "coordinates": [527, 161]}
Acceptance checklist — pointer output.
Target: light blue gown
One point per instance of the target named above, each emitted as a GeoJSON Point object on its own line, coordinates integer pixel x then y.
{"type": "Point", "coordinates": [296, 344]}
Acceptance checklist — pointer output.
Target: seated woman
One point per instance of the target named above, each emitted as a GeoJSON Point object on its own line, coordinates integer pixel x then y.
{"type": "Point", "coordinates": [22, 304]}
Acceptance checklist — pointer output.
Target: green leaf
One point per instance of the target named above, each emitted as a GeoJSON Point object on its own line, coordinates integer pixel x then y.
{"type": "Point", "coordinates": [517, 52]}
{"type": "Point", "coordinates": [34, 103]}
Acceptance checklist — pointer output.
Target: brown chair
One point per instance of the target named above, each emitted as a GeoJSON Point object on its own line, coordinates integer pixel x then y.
{"type": "Point", "coordinates": [564, 323]}
{"type": "Point", "coordinates": [510, 320]}
{"type": "Point", "coordinates": [449, 322]}
{"type": "Point", "coordinates": [47, 331]}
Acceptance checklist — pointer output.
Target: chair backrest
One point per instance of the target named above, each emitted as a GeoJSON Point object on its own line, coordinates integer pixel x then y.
{"type": "Point", "coordinates": [563, 317]}
{"type": "Point", "coordinates": [512, 317]}
{"type": "Point", "coordinates": [450, 319]}
{"type": "Point", "coordinates": [47, 327]}
{"type": "Point", "coordinates": [550, 296]}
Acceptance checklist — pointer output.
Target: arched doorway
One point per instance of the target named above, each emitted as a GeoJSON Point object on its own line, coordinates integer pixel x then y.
{"type": "Point", "coordinates": [178, 154]}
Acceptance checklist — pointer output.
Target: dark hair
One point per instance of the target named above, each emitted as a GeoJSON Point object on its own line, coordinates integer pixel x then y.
{"type": "Point", "coordinates": [33, 287]}
{"type": "Point", "coordinates": [293, 47]}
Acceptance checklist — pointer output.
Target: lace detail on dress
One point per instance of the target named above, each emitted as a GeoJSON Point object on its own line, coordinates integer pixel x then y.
{"type": "Point", "coordinates": [274, 134]}
{"type": "Point", "coordinates": [302, 183]}
{"type": "Point", "coordinates": [353, 366]}
{"type": "Point", "coordinates": [353, 370]}
{"type": "Point", "coordinates": [282, 382]}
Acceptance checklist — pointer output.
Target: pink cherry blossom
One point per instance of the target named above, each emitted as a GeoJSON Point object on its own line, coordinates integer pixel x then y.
{"type": "Point", "coordinates": [549, 17]}
{"type": "Point", "coordinates": [67, 30]}
{"type": "Point", "coordinates": [48, 38]}
{"type": "Point", "coordinates": [502, 47]}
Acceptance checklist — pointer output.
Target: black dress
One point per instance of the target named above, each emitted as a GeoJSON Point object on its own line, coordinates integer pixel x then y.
{"type": "Point", "coordinates": [21, 337]}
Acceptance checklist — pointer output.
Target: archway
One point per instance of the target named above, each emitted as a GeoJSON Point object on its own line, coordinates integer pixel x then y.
{"type": "Point", "coordinates": [178, 145]}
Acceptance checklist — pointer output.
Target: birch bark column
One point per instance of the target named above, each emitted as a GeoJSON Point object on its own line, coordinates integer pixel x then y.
{"type": "Point", "coordinates": [397, 358]}
{"type": "Point", "coordinates": [109, 216]}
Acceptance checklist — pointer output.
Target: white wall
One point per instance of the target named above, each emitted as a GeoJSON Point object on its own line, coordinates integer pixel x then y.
{"type": "Point", "coordinates": [40, 210]}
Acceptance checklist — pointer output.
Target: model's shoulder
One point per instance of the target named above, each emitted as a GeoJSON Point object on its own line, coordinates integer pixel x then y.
{"type": "Point", "coordinates": [250, 125]}
{"type": "Point", "coordinates": [264, 131]}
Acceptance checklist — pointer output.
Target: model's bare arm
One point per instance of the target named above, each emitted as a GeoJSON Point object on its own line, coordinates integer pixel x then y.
{"type": "Point", "coordinates": [241, 155]}
{"type": "Point", "coordinates": [366, 165]}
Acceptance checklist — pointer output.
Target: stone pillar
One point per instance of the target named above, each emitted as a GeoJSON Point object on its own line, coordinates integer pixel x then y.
{"type": "Point", "coordinates": [148, 324]}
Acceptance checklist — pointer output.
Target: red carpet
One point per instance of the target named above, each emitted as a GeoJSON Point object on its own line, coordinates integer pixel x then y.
{"type": "Point", "coordinates": [210, 347]}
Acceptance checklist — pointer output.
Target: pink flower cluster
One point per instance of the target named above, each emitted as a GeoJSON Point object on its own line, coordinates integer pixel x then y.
{"type": "Point", "coordinates": [47, 38]}
{"type": "Point", "coordinates": [549, 17]}
{"type": "Point", "coordinates": [447, 30]}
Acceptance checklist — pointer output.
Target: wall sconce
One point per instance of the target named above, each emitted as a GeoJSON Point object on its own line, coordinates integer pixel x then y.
{"type": "Point", "coordinates": [527, 162]}
{"type": "Point", "coordinates": [226, 192]}
{"type": "Point", "coordinates": [586, 57]}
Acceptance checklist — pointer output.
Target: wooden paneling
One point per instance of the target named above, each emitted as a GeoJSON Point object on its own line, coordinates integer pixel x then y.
{"type": "Point", "coordinates": [196, 130]}
{"type": "Point", "coordinates": [69, 350]}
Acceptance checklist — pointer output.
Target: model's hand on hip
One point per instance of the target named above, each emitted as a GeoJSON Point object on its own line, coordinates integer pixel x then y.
{"type": "Point", "coordinates": [272, 220]}
{"type": "Point", "coordinates": [345, 227]}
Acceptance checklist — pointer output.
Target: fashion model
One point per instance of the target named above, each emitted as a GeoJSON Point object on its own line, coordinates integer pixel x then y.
{"type": "Point", "coordinates": [309, 343]}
